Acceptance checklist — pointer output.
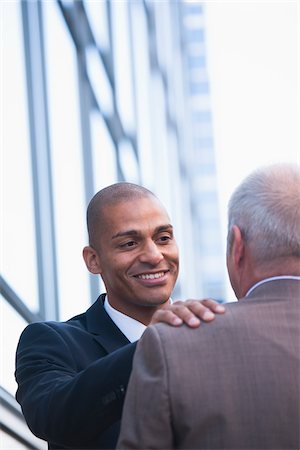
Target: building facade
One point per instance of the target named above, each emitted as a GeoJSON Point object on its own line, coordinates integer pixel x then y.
{"type": "Point", "coordinates": [95, 92]}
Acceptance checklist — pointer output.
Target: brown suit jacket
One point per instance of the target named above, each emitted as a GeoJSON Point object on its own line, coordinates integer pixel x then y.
{"type": "Point", "coordinates": [230, 384]}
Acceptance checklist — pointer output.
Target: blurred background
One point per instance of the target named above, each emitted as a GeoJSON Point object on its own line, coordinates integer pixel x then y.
{"type": "Point", "coordinates": [183, 97]}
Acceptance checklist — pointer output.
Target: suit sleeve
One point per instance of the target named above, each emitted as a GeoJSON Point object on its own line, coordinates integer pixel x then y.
{"type": "Point", "coordinates": [61, 404]}
{"type": "Point", "coordinates": [146, 419]}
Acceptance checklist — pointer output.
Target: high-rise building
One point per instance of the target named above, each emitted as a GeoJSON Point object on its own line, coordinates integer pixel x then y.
{"type": "Point", "coordinates": [202, 164]}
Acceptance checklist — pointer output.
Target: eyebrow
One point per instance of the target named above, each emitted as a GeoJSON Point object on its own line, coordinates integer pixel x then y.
{"type": "Point", "coordinates": [159, 229]}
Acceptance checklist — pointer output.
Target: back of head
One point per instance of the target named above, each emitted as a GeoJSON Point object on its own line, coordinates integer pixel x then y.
{"type": "Point", "coordinates": [266, 208]}
{"type": "Point", "coordinates": [110, 196]}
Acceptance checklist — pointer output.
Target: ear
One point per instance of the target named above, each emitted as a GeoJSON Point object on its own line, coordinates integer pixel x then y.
{"type": "Point", "coordinates": [237, 251]}
{"type": "Point", "coordinates": [235, 259]}
{"type": "Point", "coordinates": [92, 260]}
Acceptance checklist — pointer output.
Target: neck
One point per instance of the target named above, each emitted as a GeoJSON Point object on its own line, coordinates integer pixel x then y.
{"type": "Point", "coordinates": [278, 268]}
{"type": "Point", "coordinates": [141, 313]}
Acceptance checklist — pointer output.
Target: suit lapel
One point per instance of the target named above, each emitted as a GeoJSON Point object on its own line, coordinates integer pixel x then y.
{"type": "Point", "coordinates": [105, 332]}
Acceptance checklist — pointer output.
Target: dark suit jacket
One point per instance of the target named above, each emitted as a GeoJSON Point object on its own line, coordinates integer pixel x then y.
{"type": "Point", "coordinates": [230, 384]}
{"type": "Point", "coordinates": [72, 378]}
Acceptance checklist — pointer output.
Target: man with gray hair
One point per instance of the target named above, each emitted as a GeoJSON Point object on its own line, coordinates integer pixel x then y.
{"type": "Point", "coordinates": [234, 384]}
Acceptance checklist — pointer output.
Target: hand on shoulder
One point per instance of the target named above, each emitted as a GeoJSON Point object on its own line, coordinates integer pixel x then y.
{"type": "Point", "coordinates": [191, 312]}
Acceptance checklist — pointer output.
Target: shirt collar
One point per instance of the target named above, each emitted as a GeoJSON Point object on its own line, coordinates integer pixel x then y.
{"type": "Point", "coordinates": [131, 328]}
{"type": "Point", "coordinates": [282, 277]}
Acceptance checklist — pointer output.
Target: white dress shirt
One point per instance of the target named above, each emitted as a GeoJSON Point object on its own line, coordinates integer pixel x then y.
{"type": "Point", "coordinates": [131, 328]}
{"type": "Point", "coordinates": [282, 277]}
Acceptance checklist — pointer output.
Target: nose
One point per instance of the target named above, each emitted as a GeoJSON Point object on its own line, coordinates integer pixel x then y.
{"type": "Point", "coordinates": [151, 254]}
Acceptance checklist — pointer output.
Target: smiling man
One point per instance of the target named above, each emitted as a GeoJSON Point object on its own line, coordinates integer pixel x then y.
{"type": "Point", "coordinates": [133, 249]}
{"type": "Point", "coordinates": [72, 376]}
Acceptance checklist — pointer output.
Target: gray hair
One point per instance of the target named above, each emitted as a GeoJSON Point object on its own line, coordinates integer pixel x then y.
{"type": "Point", "coordinates": [266, 208]}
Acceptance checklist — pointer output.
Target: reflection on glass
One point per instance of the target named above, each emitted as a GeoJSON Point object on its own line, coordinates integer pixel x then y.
{"type": "Point", "coordinates": [161, 152]}
{"type": "Point", "coordinates": [129, 162]}
{"type": "Point", "coordinates": [18, 248]}
{"type": "Point", "coordinates": [99, 80]}
{"type": "Point", "coordinates": [163, 12]}
{"type": "Point", "coordinates": [97, 16]}
{"type": "Point", "coordinates": [68, 3]}
{"type": "Point", "coordinates": [123, 63]}
{"type": "Point", "coordinates": [9, 443]}
{"type": "Point", "coordinates": [104, 160]}
{"type": "Point", "coordinates": [12, 326]}
{"type": "Point", "coordinates": [142, 89]}
{"type": "Point", "coordinates": [104, 153]}
{"type": "Point", "coordinates": [65, 140]}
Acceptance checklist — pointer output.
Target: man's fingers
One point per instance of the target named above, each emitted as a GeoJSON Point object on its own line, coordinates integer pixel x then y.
{"type": "Point", "coordinates": [191, 312]}
{"type": "Point", "coordinates": [204, 309]}
{"type": "Point", "coordinates": [167, 316]}
{"type": "Point", "coordinates": [188, 312]}
{"type": "Point", "coordinates": [213, 305]}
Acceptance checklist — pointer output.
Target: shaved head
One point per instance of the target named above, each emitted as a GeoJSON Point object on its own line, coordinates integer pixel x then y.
{"type": "Point", "coordinates": [133, 249]}
{"type": "Point", "coordinates": [110, 196]}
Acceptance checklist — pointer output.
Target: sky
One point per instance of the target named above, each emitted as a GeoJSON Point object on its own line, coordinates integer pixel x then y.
{"type": "Point", "coordinates": [253, 62]}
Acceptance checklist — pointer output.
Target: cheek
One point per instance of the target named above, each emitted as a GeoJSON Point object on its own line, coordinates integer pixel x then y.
{"type": "Point", "coordinates": [109, 266]}
{"type": "Point", "coordinates": [121, 262]}
{"type": "Point", "coordinates": [174, 255]}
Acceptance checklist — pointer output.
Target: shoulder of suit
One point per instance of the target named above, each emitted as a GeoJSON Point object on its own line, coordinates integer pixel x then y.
{"type": "Point", "coordinates": [60, 326]}
{"type": "Point", "coordinates": [233, 310]}
{"type": "Point", "coordinates": [78, 321]}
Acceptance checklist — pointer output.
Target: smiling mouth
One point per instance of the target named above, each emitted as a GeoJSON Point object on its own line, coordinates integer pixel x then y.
{"type": "Point", "coordinates": [151, 276]}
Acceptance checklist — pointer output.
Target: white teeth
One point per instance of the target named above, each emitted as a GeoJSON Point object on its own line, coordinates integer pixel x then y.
{"type": "Point", "coordinates": [151, 276]}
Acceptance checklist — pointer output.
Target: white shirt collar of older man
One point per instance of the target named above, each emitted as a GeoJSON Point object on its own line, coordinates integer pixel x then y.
{"type": "Point", "coordinates": [266, 280]}
{"type": "Point", "coordinates": [131, 328]}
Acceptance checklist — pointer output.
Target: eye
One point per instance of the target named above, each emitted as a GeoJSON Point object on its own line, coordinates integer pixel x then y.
{"type": "Point", "coordinates": [128, 244]}
{"type": "Point", "coordinates": [164, 239]}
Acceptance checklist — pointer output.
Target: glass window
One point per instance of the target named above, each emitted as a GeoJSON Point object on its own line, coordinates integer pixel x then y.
{"type": "Point", "coordinates": [202, 116]}
{"type": "Point", "coordinates": [68, 182]}
{"type": "Point", "coordinates": [161, 151]}
{"type": "Point", "coordinates": [196, 62]}
{"type": "Point", "coordinates": [103, 153]}
{"type": "Point", "coordinates": [204, 157]}
{"type": "Point", "coordinates": [12, 326]}
{"type": "Point", "coordinates": [122, 63]}
{"type": "Point", "coordinates": [97, 16]}
{"type": "Point", "coordinates": [104, 160]}
{"type": "Point", "coordinates": [99, 80]}
{"type": "Point", "coordinates": [18, 247]}
{"type": "Point", "coordinates": [204, 142]}
{"type": "Point", "coordinates": [164, 49]}
{"type": "Point", "coordinates": [129, 162]}
{"type": "Point", "coordinates": [68, 3]}
{"type": "Point", "coordinates": [199, 88]}
{"type": "Point", "coordinates": [9, 443]}
{"type": "Point", "coordinates": [203, 129]}
{"type": "Point", "coordinates": [142, 89]}
{"type": "Point", "coordinates": [193, 8]}
{"type": "Point", "coordinates": [195, 34]}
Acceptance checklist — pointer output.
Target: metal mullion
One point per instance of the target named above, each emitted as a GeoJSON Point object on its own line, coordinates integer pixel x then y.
{"type": "Point", "coordinates": [14, 300]}
{"type": "Point", "coordinates": [41, 162]}
{"type": "Point", "coordinates": [86, 106]}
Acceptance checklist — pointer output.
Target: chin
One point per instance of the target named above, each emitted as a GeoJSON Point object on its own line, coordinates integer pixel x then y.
{"type": "Point", "coordinates": [157, 301]}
